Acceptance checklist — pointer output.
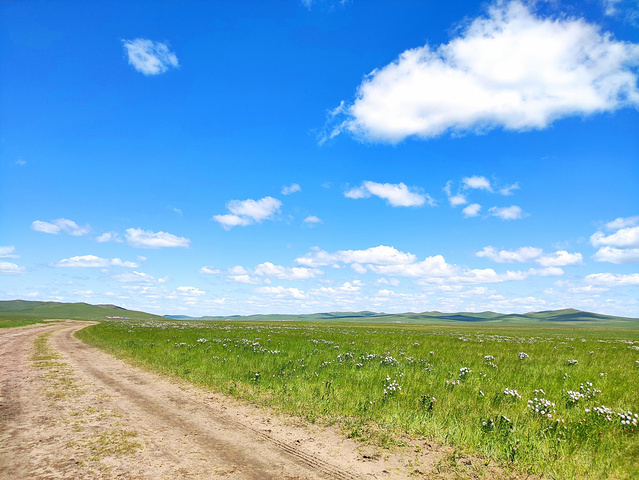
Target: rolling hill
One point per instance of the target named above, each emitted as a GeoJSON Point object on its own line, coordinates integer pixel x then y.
{"type": "Point", "coordinates": [84, 311]}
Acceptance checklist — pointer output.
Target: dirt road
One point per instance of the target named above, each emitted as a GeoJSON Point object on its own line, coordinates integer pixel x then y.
{"type": "Point", "coordinates": [68, 410]}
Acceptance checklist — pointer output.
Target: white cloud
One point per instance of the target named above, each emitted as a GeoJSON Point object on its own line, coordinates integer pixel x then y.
{"type": "Point", "coordinates": [480, 183]}
{"type": "Point", "coordinates": [243, 278]}
{"type": "Point", "coordinates": [560, 258]}
{"type": "Point", "coordinates": [116, 262]}
{"type": "Point", "coordinates": [136, 237]}
{"type": "Point", "coordinates": [282, 292]}
{"type": "Point", "coordinates": [511, 69]}
{"type": "Point", "coordinates": [92, 261]}
{"type": "Point", "coordinates": [191, 291]}
{"type": "Point", "coordinates": [349, 287]}
{"type": "Point", "coordinates": [8, 268]}
{"type": "Point", "coordinates": [380, 255]}
{"type": "Point", "coordinates": [359, 268]}
{"type": "Point", "coordinates": [283, 273]}
{"type": "Point", "coordinates": [617, 255]}
{"type": "Point", "coordinates": [623, 238]}
{"type": "Point", "coordinates": [506, 213]}
{"type": "Point", "coordinates": [520, 255]}
{"type": "Point", "coordinates": [312, 220]}
{"type": "Point", "coordinates": [456, 200]}
{"type": "Point", "coordinates": [149, 57]}
{"type": "Point", "coordinates": [138, 277]}
{"type": "Point", "coordinates": [21, 162]}
{"type": "Point", "coordinates": [108, 237]}
{"type": "Point", "coordinates": [588, 289]}
{"type": "Point", "coordinates": [83, 261]}
{"type": "Point", "coordinates": [613, 279]}
{"type": "Point", "coordinates": [621, 246]}
{"type": "Point", "coordinates": [508, 189]}
{"type": "Point", "coordinates": [471, 210]}
{"type": "Point", "coordinates": [397, 195]}
{"type": "Point", "coordinates": [434, 266]}
{"type": "Point", "coordinates": [551, 271]}
{"type": "Point", "coordinates": [209, 270]}
{"type": "Point", "coordinates": [8, 252]}
{"type": "Point", "coordinates": [60, 225]}
{"type": "Point", "coordinates": [292, 188]}
{"type": "Point", "coordinates": [248, 212]}
{"type": "Point", "coordinates": [621, 222]}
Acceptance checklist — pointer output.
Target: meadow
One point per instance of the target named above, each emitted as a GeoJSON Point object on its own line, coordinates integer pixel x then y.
{"type": "Point", "coordinates": [556, 402]}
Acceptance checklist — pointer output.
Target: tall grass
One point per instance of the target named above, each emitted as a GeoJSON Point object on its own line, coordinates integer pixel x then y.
{"type": "Point", "coordinates": [466, 387]}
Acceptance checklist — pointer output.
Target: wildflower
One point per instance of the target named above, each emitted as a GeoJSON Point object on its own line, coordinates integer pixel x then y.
{"type": "Point", "coordinates": [523, 355]}
{"type": "Point", "coordinates": [511, 393]}
{"type": "Point", "coordinates": [391, 387]}
{"type": "Point", "coordinates": [541, 407]}
{"type": "Point", "coordinates": [628, 418]}
{"type": "Point", "coordinates": [464, 372]}
{"type": "Point", "coordinates": [572, 362]}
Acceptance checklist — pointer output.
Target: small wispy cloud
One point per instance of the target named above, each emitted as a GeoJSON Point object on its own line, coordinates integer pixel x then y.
{"type": "Point", "coordinates": [8, 268]}
{"type": "Point", "coordinates": [136, 237]}
{"type": "Point", "coordinates": [21, 162]}
{"type": "Point", "coordinates": [507, 213]}
{"type": "Point", "coordinates": [471, 210]}
{"type": "Point", "coordinates": [560, 258]}
{"type": "Point", "coordinates": [108, 237]}
{"type": "Point", "coordinates": [292, 188]}
{"type": "Point", "coordinates": [60, 225]}
{"type": "Point", "coordinates": [477, 182]}
{"type": "Point", "coordinates": [93, 261]}
{"type": "Point", "coordinates": [8, 252]}
{"type": "Point", "coordinates": [190, 291]}
{"type": "Point", "coordinates": [312, 220]}
{"type": "Point", "coordinates": [139, 277]}
{"type": "Point", "coordinates": [395, 194]}
{"type": "Point", "coordinates": [248, 212]}
{"type": "Point", "coordinates": [149, 57]}
{"type": "Point", "coordinates": [209, 270]}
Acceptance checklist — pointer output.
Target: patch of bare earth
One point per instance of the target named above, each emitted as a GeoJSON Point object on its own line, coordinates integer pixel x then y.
{"type": "Point", "coordinates": [68, 411]}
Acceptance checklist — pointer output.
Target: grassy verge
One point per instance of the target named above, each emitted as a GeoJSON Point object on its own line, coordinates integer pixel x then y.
{"type": "Point", "coordinates": [18, 322]}
{"type": "Point", "coordinates": [541, 401]}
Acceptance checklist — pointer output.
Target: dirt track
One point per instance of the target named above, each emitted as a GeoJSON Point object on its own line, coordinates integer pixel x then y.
{"type": "Point", "coordinates": [86, 414]}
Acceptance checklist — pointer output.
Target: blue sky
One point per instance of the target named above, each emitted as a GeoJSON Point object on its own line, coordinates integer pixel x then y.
{"type": "Point", "coordinates": [303, 156]}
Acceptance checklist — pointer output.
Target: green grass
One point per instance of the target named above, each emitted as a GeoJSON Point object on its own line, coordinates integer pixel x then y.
{"type": "Point", "coordinates": [337, 374]}
{"type": "Point", "coordinates": [18, 322]}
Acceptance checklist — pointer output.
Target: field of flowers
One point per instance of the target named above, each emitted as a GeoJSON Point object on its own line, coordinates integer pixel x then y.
{"type": "Point", "coordinates": [541, 401]}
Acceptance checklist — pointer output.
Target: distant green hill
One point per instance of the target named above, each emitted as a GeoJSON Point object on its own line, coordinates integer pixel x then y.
{"type": "Point", "coordinates": [83, 311]}
{"type": "Point", "coordinates": [566, 317]}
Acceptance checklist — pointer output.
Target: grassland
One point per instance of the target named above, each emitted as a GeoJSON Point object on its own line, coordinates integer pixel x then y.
{"type": "Point", "coordinates": [481, 389]}
{"type": "Point", "coordinates": [18, 322]}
